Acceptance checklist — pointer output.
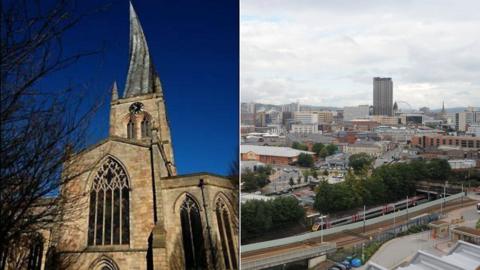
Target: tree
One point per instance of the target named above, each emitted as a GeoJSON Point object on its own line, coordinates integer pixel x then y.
{"type": "Point", "coordinates": [323, 153]}
{"type": "Point", "coordinates": [259, 216]}
{"type": "Point", "coordinates": [325, 172]}
{"type": "Point", "coordinates": [40, 128]}
{"type": "Point", "coordinates": [285, 211]}
{"type": "Point", "coordinates": [305, 160]}
{"type": "Point", "coordinates": [331, 148]}
{"type": "Point", "coordinates": [249, 181]}
{"type": "Point", "coordinates": [377, 191]}
{"type": "Point", "coordinates": [323, 197]}
{"type": "Point", "coordinates": [438, 169]}
{"type": "Point", "coordinates": [299, 146]}
{"type": "Point", "coordinates": [290, 182]}
{"type": "Point", "coordinates": [360, 161]}
{"type": "Point", "coordinates": [255, 180]}
{"type": "Point", "coordinates": [317, 147]}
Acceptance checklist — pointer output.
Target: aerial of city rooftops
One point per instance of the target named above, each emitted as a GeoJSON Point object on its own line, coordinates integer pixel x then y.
{"type": "Point", "coordinates": [306, 159]}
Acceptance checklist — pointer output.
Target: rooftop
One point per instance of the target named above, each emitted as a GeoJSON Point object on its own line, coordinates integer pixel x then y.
{"type": "Point", "coordinates": [272, 151]}
{"type": "Point", "coordinates": [465, 256]}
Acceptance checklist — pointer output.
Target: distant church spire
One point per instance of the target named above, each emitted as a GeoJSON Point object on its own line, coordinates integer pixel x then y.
{"type": "Point", "coordinates": [142, 77]}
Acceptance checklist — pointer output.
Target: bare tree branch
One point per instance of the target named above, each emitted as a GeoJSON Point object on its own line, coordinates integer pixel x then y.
{"type": "Point", "coordinates": [39, 128]}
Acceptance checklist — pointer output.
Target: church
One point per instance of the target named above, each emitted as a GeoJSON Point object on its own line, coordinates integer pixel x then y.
{"type": "Point", "coordinates": [126, 207]}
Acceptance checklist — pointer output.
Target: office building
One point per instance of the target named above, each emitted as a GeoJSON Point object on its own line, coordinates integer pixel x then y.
{"type": "Point", "coordinates": [382, 96]}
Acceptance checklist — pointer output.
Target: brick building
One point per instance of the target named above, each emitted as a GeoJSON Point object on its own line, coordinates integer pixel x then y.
{"type": "Point", "coordinates": [271, 154]}
{"type": "Point", "coordinates": [464, 142]}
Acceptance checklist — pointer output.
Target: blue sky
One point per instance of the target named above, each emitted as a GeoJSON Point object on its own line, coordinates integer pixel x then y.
{"type": "Point", "coordinates": [194, 46]}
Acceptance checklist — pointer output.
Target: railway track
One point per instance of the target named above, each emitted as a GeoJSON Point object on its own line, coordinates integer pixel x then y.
{"type": "Point", "coordinates": [346, 239]}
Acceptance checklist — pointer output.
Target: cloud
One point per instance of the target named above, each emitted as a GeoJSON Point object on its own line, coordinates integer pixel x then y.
{"type": "Point", "coordinates": [326, 52]}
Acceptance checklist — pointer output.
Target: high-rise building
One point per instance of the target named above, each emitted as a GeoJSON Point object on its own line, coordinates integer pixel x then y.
{"type": "Point", "coordinates": [382, 96]}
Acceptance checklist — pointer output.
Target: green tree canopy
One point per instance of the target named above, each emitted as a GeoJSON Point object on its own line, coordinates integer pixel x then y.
{"type": "Point", "coordinates": [360, 161]}
{"type": "Point", "coordinates": [317, 147]}
{"type": "Point", "coordinates": [299, 146]}
{"type": "Point", "coordinates": [331, 148]}
{"type": "Point", "coordinates": [388, 183]}
{"type": "Point", "coordinates": [257, 179]}
{"type": "Point", "coordinates": [305, 160]}
{"type": "Point", "coordinates": [323, 153]}
{"type": "Point", "coordinates": [259, 216]}
{"type": "Point", "coordinates": [331, 198]}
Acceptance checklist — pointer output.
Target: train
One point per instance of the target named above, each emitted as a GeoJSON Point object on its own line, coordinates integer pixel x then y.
{"type": "Point", "coordinates": [326, 223]}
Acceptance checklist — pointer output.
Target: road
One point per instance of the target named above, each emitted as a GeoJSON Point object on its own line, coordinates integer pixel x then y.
{"type": "Point", "coordinates": [388, 156]}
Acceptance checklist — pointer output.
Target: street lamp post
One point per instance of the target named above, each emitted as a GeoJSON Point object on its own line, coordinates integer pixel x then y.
{"type": "Point", "coordinates": [364, 209]}
{"type": "Point", "coordinates": [407, 211]}
{"type": "Point", "coordinates": [394, 214]}
{"type": "Point", "coordinates": [321, 229]}
{"type": "Point", "coordinates": [444, 194]}
{"type": "Point", "coordinates": [201, 183]}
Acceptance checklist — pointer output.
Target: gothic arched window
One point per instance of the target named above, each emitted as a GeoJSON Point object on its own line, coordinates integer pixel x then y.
{"type": "Point", "coordinates": [109, 206]}
{"type": "Point", "coordinates": [192, 233]}
{"type": "Point", "coordinates": [131, 129]}
{"type": "Point", "coordinates": [146, 131]}
{"type": "Point", "coordinates": [226, 234]}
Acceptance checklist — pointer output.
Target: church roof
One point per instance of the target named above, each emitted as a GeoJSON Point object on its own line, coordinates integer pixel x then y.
{"type": "Point", "coordinates": [141, 78]}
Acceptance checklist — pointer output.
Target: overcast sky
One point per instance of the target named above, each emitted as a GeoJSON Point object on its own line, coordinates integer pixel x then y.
{"type": "Point", "coordinates": [327, 52]}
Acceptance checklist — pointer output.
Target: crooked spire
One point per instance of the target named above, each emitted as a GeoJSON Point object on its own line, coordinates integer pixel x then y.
{"type": "Point", "coordinates": [142, 77]}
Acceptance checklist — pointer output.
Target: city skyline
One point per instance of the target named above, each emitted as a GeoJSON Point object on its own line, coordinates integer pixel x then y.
{"type": "Point", "coordinates": [325, 54]}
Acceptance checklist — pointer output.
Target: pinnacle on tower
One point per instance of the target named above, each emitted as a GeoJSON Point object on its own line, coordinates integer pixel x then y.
{"type": "Point", "coordinates": [141, 78]}
{"type": "Point", "coordinates": [114, 91]}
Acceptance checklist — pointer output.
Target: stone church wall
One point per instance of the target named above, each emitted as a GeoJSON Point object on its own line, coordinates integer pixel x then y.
{"type": "Point", "coordinates": [72, 237]}
{"type": "Point", "coordinates": [174, 191]}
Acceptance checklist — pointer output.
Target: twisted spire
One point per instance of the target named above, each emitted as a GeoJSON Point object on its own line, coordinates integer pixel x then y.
{"type": "Point", "coordinates": [142, 77]}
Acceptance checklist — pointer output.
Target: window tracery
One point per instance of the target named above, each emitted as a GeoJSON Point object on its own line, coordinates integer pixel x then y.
{"type": "Point", "coordinates": [109, 206]}
{"type": "Point", "coordinates": [226, 233]}
{"type": "Point", "coordinates": [192, 233]}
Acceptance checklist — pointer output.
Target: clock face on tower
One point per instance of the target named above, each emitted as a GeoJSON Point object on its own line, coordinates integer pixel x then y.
{"type": "Point", "coordinates": [136, 108]}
